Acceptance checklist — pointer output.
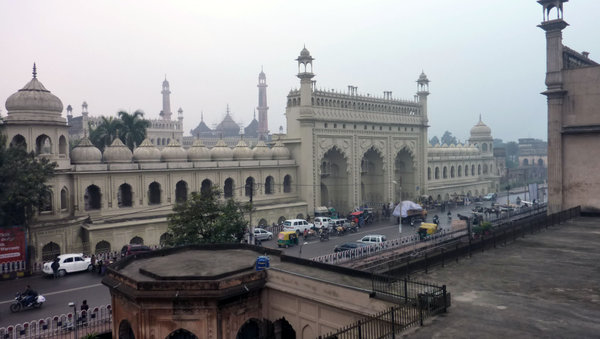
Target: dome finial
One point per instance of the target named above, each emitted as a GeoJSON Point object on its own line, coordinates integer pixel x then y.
{"type": "Point", "coordinates": [480, 117]}
{"type": "Point", "coordinates": [34, 71]}
{"type": "Point", "coordinates": [201, 116]}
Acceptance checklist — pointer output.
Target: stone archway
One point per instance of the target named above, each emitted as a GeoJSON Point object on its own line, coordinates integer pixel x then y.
{"type": "Point", "coordinates": [50, 251]}
{"type": "Point", "coordinates": [371, 178]}
{"type": "Point", "coordinates": [125, 330]}
{"type": "Point", "coordinates": [181, 334]}
{"type": "Point", "coordinates": [102, 247]}
{"type": "Point", "coordinates": [404, 176]}
{"type": "Point", "coordinates": [335, 180]}
{"type": "Point", "coordinates": [283, 329]}
{"type": "Point", "coordinates": [249, 330]}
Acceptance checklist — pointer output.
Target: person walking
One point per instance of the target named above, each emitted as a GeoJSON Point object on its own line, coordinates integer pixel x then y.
{"type": "Point", "coordinates": [84, 311]}
{"type": "Point", "coordinates": [55, 266]}
{"type": "Point", "coordinates": [93, 262]}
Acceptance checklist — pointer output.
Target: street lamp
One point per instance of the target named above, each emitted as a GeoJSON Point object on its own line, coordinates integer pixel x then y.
{"type": "Point", "coordinates": [507, 194]}
{"type": "Point", "coordinates": [74, 305]}
{"type": "Point", "coordinates": [398, 207]}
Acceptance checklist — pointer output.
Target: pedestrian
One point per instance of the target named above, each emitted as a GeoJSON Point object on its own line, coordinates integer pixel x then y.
{"type": "Point", "coordinates": [93, 262]}
{"type": "Point", "coordinates": [55, 266]}
{"type": "Point", "coordinates": [84, 310]}
{"type": "Point", "coordinates": [100, 267]}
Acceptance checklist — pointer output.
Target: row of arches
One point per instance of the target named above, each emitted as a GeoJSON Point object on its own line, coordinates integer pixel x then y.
{"type": "Point", "coordinates": [162, 141]}
{"type": "Point", "coordinates": [125, 195]}
{"type": "Point", "coordinates": [532, 162]}
{"type": "Point", "coordinates": [43, 144]}
{"type": "Point", "coordinates": [458, 171]}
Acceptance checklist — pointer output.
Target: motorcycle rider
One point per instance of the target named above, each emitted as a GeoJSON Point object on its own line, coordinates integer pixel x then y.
{"type": "Point", "coordinates": [29, 295]}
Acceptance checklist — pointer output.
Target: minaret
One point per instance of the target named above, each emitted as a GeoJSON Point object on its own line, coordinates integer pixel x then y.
{"type": "Point", "coordinates": [422, 94]}
{"type": "Point", "coordinates": [305, 74]}
{"type": "Point", "coordinates": [263, 122]}
{"type": "Point", "coordinates": [555, 95]}
{"type": "Point", "coordinates": [166, 93]}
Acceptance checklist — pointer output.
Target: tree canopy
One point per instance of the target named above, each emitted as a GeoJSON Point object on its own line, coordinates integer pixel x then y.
{"type": "Point", "coordinates": [448, 138]}
{"type": "Point", "coordinates": [131, 129]}
{"type": "Point", "coordinates": [23, 187]}
{"type": "Point", "coordinates": [204, 218]}
{"type": "Point", "coordinates": [434, 141]}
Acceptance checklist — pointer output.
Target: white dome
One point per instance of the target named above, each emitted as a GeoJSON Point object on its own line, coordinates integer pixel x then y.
{"type": "Point", "coordinates": [34, 97]}
{"type": "Point", "coordinates": [221, 151]}
{"type": "Point", "coordinates": [198, 151]}
{"type": "Point", "coordinates": [242, 151]}
{"type": "Point", "coordinates": [173, 152]}
{"type": "Point", "coordinates": [262, 151]}
{"type": "Point", "coordinates": [146, 152]}
{"type": "Point", "coordinates": [280, 152]}
{"type": "Point", "coordinates": [86, 153]}
{"type": "Point", "coordinates": [117, 152]}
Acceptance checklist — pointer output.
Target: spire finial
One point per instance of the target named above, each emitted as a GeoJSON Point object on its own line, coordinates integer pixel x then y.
{"type": "Point", "coordinates": [255, 114]}
{"type": "Point", "coordinates": [227, 109]}
{"type": "Point", "coordinates": [479, 117]}
{"type": "Point", "coordinates": [34, 71]}
{"type": "Point", "coordinates": [261, 68]}
{"type": "Point", "coordinates": [165, 76]}
{"type": "Point", "coordinates": [201, 116]}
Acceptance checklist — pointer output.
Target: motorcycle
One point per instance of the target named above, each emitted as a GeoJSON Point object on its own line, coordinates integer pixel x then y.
{"type": "Point", "coordinates": [436, 219]}
{"type": "Point", "coordinates": [324, 235]}
{"type": "Point", "coordinates": [19, 303]}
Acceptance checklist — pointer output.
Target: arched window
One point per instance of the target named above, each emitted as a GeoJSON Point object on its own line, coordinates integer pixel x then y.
{"type": "Point", "coordinates": [18, 141]}
{"type": "Point", "coordinates": [228, 189]}
{"type": "Point", "coordinates": [62, 145]}
{"type": "Point", "coordinates": [46, 203]}
{"type": "Point", "coordinates": [452, 172]}
{"type": "Point", "coordinates": [262, 222]}
{"type": "Point", "coordinates": [473, 170]}
{"type": "Point", "coordinates": [205, 186]}
{"type": "Point", "coordinates": [466, 170]}
{"type": "Point", "coordinates": [287, 184]}
{"type": "Point", "coordinates": [478, 169]}
{"type": "Point", "coordinates": [540, 162]}
{"type": "Point", "coordinates": [124, 196]}
{"type": "Point", "coordinates": [64, 199]}
{"type": "Point", "coordinates": [428, 173]}
{"type": "Point", "coordinates": [125, 330]}
{"type": "Point", "coordinates": [437, 172]}
{"type": "Point", "coordinates": [459, 171]}
{"type": "Point", "coordinates": [525, 162]}
{"type": "Point", "coordinates": [185, 334]}
{"type": "Point", "coordinates": [484, 147]}
{"type": "Point", "coordinates": [445, 172]}
{"type": "Point", "coordinates": [154, 193]}
{"type": "Point", "coordinates": [485, 168]}
{"type": "Point", "coordinates": [43, 145]}
{"type": "Point", "coordinates": [50, 251]}
{"type": "Point", "coordinates": [269, 185]}
{"type": "Point", "coordinates": [181, 191]}
{"type": "Point", "coordinates": [102, 247]}
{"type": "Point", "coordinates": [249, 188]}
{"type": "Point", "coordinates": [92, 198]}
{"type": "Point", "coordinates": [136, 240]}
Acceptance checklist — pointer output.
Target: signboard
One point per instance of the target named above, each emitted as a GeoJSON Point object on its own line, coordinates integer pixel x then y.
{"type": "Point", "coordinates": [12, 244]}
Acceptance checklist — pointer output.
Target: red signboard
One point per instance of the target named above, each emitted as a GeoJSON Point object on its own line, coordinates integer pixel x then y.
{"type": "Point", "coordinates": [12, 244]}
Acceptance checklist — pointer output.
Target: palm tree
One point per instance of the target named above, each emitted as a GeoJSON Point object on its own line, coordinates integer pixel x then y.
{"type": "Point", "coordinates": [133, 128]}
{"type": "Point", "coordinates": [106, 131]}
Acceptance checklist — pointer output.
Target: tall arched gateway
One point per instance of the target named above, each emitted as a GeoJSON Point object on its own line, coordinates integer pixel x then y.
{"type": "Point", "coordinates": [405, 187]}
{"type": "Point", "coordinates": [334, 180]}
{"type": "Point", "coordinates": [372, 185]}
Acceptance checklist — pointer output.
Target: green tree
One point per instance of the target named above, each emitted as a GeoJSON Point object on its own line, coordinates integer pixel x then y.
{"type": "Point", "coordinates": [448, 138]}
{"type": "Point", "coordinates": [133, 128]}
{"type": "Point", "coordinates": [23, 186]}
{"type": "Point", "coordinates": [204, 218]}
{"type": "Point", "coordinates": [106, 131]}
{"type": "Point", "coordinates": [434, 141]}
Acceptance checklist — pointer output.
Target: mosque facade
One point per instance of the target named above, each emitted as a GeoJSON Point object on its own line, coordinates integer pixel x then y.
{"type": "Point", "coordinates": [342, 150]}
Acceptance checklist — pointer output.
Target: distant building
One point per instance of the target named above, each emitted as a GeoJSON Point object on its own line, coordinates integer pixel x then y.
{"type": "Point", "coordinates": [573, 93]}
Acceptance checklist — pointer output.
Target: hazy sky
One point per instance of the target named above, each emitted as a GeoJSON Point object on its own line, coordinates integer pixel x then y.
{"type": "Point", "coordinates": [482, 56]}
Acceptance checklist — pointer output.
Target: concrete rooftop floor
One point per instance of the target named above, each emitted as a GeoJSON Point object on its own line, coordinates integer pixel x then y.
{"type": "Point", "coordinates": [544, 285]}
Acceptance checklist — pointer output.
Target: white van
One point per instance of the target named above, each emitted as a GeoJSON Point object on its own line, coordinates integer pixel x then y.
{"type": "Point", "coordinates": [322, 222]}
{"type": "Point", "coordinates": [373, 239]}
{"type": "Point", "coordinates": [296, 225]}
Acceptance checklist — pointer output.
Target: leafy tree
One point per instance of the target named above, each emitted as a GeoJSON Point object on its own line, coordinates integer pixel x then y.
{"type": "Point", "coordinates": [133, 128]}
{"type": "Point", "coordinates": [448, 138]}
{"type": "Point", "coordinates": [23, 186]}
{"type": "Point", "coordinates": [434, 141]}
{"type": "Point", "coordinates": [106, 131]}
{"type": "Point", "coordinates": [206, 219]}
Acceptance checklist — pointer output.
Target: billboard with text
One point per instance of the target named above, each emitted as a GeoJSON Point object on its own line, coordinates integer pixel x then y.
{"type": "Point", "coordinates": [12, 244]}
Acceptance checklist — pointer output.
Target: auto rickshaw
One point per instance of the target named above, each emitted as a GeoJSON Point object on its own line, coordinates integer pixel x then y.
{"type": "Point", "coordinates": [427, 230]}
{"type": "Point", "coordinates": [287, 238]}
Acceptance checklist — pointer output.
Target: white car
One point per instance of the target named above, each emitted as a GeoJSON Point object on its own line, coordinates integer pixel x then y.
{"type": "Point", "coordinates": [373, 239]}
{"type": "Point", "coordinates": [322, 222]}
{"type": "Point", "coordinates": [262, 234]}
{"type": "Point", "coordinates": [69, 263]}
{"type": "Point", "coordinates": [297, 225]}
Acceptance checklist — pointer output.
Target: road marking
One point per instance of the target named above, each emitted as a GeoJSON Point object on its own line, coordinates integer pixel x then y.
{"type": "Point", "coordinates": [57, 292]}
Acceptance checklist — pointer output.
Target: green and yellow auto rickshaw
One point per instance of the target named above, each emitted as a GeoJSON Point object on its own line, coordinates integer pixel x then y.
{"type": "Point", "coordinates": [427, 230]}
{"type": "Point", "coordinates": [287, 239]}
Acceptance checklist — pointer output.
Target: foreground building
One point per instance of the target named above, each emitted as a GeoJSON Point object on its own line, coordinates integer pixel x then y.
{"type": "Point", "coordinates": [573, 92]}
{"type": "Point", "coordinates": [342, 150]}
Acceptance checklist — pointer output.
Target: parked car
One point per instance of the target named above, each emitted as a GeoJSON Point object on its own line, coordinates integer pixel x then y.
{"type": "Point", "coordinates": [132, 249]}
{"type": "Point", "coordinates": [69, 263]}
{"type": "Point", "coordinates": [322, 222]}
{"type": "Point", "coordinates": [262, 234]}
{"type": "Point", "coordinates": [373, 239]}
{"type": "Point", "coordinates": [297, 225]}
{"type": "Point", "coordinates": [490, 197]}
{"type": "Point", "coordinates": [349, 246]}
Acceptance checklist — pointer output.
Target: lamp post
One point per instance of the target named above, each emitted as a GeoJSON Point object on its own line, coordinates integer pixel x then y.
{"type": "Point", "coordinates": [507, 194]}
{"type": "Point", "coordinates": [399, 208]}
{"type": "Point", "coordinates": [74, 305]}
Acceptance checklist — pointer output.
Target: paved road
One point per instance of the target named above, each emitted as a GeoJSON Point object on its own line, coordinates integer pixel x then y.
{"type": "Point", "coordinates": [73, 287]}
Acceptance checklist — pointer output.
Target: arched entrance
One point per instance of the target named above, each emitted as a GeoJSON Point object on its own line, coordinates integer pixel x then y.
{"type": "Point", "coordinates": [125, 330]}
{"type": "Point", "coordinates": [250, 330]}
{"type": "Point", "coordinates": [404, 175]}
{"type": "Point", "coordinates": [102, 247]}
{"type": "Point", "coordinates": [154, 193]}
{"type": "Point", "coordinates": [207, 184]}
{"type": "Point", "coordinates": [182, 334]}
{"type": "Point", "coordinates": [124, 196]}
{"type": "Point", "coordinates": [136, 241]}
{"type": "Point", "coordinates": [283, 329]}
{"type": "Point", "coordinates": [91, 198]}
{"type": "Point", "coordinates": [181, 191]}
{"type": "Point", "coordinates": [371, 179]}
{"type": "Point", "coordinates": [335, 181]}
{"type": "Point", "coordinates": [50, 251]}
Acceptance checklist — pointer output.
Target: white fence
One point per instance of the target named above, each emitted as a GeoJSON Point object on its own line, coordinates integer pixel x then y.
{"type": "Point", "coordinates": [97, 320]}
{"type": "Point", "coordinates": [404, 242]}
